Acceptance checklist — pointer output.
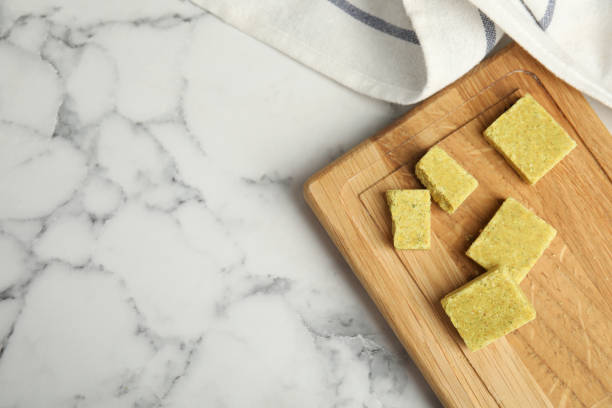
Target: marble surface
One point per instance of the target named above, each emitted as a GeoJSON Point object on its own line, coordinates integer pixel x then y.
{"type": "Point", "coordinates": [155, 249]}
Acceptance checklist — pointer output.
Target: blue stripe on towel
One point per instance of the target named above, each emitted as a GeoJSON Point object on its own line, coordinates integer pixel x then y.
{"type": "Point", "coordinates": [489, 28]}
{"type": "Point", "coordinates": [546, 19]}
{"type": "Point", "coordinates": [548, 15]}
{"type": "Point", "coordinates": [376, 22]}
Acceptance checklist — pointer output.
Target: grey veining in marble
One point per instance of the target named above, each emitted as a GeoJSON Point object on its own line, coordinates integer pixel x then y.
{"type": "Point", "coordinates": [154, 246]}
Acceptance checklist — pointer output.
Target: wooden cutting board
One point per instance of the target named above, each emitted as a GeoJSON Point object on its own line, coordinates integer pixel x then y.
{"type": "Point", "coordinates": [564, 357]}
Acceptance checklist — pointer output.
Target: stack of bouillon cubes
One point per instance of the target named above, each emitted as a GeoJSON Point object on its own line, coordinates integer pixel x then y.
{"type": "Point", "coordinates": [493, 304]}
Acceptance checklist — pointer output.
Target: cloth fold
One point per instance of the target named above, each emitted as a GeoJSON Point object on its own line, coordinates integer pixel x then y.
{"type": "Point", "coordinates": [404, 51]}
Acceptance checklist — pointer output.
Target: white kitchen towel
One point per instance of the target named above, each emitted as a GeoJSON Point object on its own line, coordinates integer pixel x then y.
{"type": "Point", "coordinates": [403, 51]}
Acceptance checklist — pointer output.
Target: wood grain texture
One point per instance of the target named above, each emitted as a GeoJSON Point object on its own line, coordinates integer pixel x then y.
{"type": "Point", "coordinates": [564, 357]}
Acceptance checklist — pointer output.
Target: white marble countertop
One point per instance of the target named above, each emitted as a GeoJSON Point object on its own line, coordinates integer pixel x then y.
{"type": "Point", "coordinates": [155, 249]}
